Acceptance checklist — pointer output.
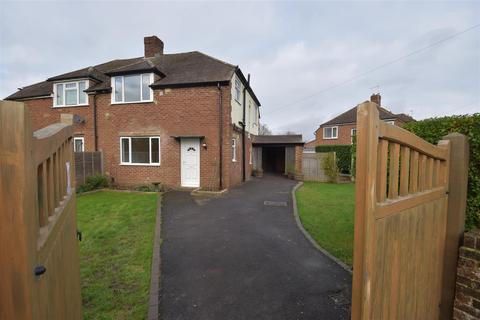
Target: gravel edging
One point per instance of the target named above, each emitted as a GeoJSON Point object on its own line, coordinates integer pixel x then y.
{"type": "Point", "coordinates": [154, 295]}
{"type": "Point", "coordinates": [309, 237]}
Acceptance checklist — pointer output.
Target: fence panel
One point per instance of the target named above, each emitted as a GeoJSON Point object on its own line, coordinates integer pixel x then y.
{"type": "Point", "coordinates": [402, 195]}
{"type": "Point", "coordinates": [312, 164]}
{"type": "Point", "coordinates": [87, 164]}
{"type": "Point", "coordinates": [40, 277]}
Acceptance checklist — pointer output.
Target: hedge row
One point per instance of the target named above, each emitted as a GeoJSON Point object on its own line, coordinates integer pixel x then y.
{"type": "Point", "coordinates": [344, 155]}
{"type": "Point", "coordinates": [434, 129]}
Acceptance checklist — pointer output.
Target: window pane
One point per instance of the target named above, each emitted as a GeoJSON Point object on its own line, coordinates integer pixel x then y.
{"type": "Point", "coordinates": [125, 151]}
{"type": "Point", "coordinates": [82, 99]}
{"type": "Point", "coordinates": [155, 150]}
{"type": "Point", "coordinates": [71, 96]}
{"type": "Point", "coordinates": [59, 94]}
{"type": "Point", "coordinates": [70, 85]}
{"type": "Point", "coordinates": [78, 145]}
{"type": "Point", "coordinates": [328, 132]}
{"type": "Point", "coordinates": [118, 89]}
{"type": "Point", "coordinates": [145, 87]}
{"type": "Point", "coordinates": [334, 132]}
{"type": "Point", "coordinates": [140, 150]}
{"type": "Point", "coordinates": [132, 88]}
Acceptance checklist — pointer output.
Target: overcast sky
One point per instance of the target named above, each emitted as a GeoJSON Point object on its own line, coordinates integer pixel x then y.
{"type": "Point", "coordinates": [304, 58]}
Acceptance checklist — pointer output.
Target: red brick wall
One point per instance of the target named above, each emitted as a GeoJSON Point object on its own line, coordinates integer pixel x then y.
{"type": "Point", "coordinates": [182, 111]}
{"type": "Point", "coordinates": [344, 134]}
{"type": "Point", "coordinates": [467, 292]}
{"type": "Point", "coordinates": [43, 114]}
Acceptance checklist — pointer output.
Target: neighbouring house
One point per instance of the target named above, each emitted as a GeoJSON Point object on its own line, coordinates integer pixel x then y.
{"type": "Point", "coordinates": [181, 119]}
{"type": "Point", "coordinates": [309, 146]}
{"type": "Point", "coordinates": [341, 129]}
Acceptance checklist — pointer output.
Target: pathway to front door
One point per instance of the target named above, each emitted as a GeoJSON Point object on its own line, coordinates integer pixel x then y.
{"type": "Point", "coordinates": [242, 256]}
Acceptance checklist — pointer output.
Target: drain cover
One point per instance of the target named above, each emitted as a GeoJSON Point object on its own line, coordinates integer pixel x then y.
{"type": "Point", "coordinates": [275, 203]}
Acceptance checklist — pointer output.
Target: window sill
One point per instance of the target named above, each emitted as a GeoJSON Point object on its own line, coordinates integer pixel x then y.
{"type": "Point", "coordinates": [234, 160]}
{"type": "Point", "coordinates": [141, 164]}
{"type": "Point", "coordinates": [72, 106]}
{"type": "Point", "coordinates": [330, 138]}
{"type": "Point", "coordinates": [132, 102]}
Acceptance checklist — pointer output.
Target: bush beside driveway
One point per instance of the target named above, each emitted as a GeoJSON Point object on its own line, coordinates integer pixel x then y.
{"type": "Point", "coordinates": [327, 213]}
{"type": "Point", "coordinates": [116, 253]}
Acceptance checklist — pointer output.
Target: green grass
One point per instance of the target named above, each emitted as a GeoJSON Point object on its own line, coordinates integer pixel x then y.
{"type": "Point", "coordinates": [327, 213]}
{"type": "Point", "coordinates": [116, 253]}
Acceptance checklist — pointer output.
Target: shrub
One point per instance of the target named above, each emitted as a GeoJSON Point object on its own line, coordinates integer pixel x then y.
{"type": "Point", "coordinates": [434, 129]}
{"type": "Point", "coordinates": [96, 181]}
{"type": "Point", "coordinates": [330, 167]}
{"type": "Point", "coordinates": [344, 156]}
{"type": "Point", "coordinates": [145, 188]}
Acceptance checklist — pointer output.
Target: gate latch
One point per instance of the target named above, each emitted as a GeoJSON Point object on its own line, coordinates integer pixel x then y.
{"type": "Point", "coordinates": [79, 235]}
{"type": "Point", "coordinates": [39, 270]}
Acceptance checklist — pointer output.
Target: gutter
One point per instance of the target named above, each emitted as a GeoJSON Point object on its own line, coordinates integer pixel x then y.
{"type": "Point", "coordinates": [244, 124]}
{"type": "Point", "coordinates": [95, 131]}
{"type": "Point", "coordinates": [220, 135]}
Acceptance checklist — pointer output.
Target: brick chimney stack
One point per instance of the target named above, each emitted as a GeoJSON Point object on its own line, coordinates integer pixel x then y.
{"type": "Point", "coordinates": [153, 46]}
{"type": "Point", "coordinates": [377, 98]}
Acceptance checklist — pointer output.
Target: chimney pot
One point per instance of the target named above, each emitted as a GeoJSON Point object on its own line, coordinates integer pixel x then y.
{"type": "Point", "coordinates": [153, 46]}
{"type": "Point", "coordinates": [376, 98]}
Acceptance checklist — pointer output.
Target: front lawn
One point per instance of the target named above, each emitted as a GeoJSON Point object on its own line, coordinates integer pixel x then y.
{"type": "Point", "coordinates": [327, 213]}
{"type": "Point", "coordinates": [116, 253]}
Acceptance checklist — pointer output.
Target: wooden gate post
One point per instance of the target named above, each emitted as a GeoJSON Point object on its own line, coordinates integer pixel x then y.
{"type": "Point", "coordinates": [458, 179]}
{"type": "Point", "coordinates": [366, 172]}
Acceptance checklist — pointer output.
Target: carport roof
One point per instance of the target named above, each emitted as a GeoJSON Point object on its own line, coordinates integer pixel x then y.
{"type": "Point", "coordinates": [293, 139]}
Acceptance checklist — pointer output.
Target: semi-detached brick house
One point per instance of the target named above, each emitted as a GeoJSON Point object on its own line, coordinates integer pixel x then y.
{"type": "Point", "coordinates": [339, 130]}
{"type": "Point", "coordinates": [176, 118]}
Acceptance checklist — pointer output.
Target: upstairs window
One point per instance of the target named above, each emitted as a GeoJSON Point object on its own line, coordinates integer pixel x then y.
{"type": "Point", "coordinates": [69, 94]}
{"type": "Point", "coordinates": [353, 134]}
{"type": "Point", "coordinates": [238, 90]}
{"type": "Point", "coordinates": [330, 133]}
{"type": "Point", "coordinates": [140, 150]}
{"type": "Point", "coordinates": [132, 88]}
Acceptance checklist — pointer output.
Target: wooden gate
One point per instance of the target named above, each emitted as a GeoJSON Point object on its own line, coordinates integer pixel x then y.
{"type": "Point", "coordinates": [402, 218]}
{"type": "Point", "coordinates": [39, 258]}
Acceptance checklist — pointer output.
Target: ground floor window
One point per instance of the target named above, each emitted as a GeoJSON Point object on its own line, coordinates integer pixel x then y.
{"type": "Point", "coordinates": [140, 150]}
{"type": "Point", "coordinates": [234, 150]}
{"type": "Point", "coordinates": [78, 144]}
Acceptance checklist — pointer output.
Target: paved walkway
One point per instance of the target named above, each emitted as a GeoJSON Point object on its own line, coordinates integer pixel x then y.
{"type": "Point", "coordinates": [236, 258]}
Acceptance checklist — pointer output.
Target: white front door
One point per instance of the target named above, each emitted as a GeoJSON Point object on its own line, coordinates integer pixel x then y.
{"type": "Point", "coordinates": [190, 162]}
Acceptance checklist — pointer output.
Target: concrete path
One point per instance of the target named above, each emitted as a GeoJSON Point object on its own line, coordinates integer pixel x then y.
{"type": "Point", "coordinates": [236, 258]}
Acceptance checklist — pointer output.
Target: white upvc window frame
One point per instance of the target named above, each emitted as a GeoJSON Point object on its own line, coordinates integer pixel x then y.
{"type": "Point", "coordinates": [83, 144]}
{"type": "Point", "coordinates": [77, 87]}
{"type": "Point", "coordinates": [332, 136]}
{"type": "Point", "coordinates": [140, 75]}
{"type": "Point", "coordinates": [392, 122]}
{"type": "Point", "coordinates": [353, 132]}
{"type": "Point", "coordinates": [234, 150]}
{"type": "Point", "coordinates": [238, 90]}
{"type": "Point", "coordinates": [130, 163]}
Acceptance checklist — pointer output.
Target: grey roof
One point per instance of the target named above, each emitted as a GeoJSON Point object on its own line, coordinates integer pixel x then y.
{"type": "Point", "coordinates": [178, 69]}
{"type": "Point", "coordinates": [350, 116]}
{"type": "Point", "coordinates": [278, 139]}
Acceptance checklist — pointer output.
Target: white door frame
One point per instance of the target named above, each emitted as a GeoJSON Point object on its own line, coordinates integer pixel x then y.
{"type": "Point", "coordinates": [190, 178]}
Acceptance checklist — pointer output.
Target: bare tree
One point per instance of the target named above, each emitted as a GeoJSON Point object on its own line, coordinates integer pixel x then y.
{"type": "Point", "coordinates": [264, 130]}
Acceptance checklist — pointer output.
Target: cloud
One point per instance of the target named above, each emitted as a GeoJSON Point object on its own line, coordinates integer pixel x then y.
{"type": "Point", "coordinates": [294, 51]}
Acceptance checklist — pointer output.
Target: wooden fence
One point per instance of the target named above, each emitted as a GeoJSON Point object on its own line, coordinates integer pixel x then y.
{"type": "Point", "coordinates": [408, 221]}
{"type": "Point", "coordinates": [87, 164]}
{"type": "Point", "coordinates": [312, 166]}
{"type": "Point", "coordinates": [40, 277]}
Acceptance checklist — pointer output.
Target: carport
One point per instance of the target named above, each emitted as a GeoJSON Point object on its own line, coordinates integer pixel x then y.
{"type": "Point", "coordinates": [277, 154]}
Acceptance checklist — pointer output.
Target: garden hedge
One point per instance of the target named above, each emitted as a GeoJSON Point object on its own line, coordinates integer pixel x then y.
{"type": "Point", "coordinates": [344, 155]}
{"type": "Point", "coordinates": [434, 129]}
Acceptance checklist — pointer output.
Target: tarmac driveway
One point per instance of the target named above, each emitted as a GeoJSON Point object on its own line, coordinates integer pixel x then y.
{"type": "Point", "coordinates": [237, 257]}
